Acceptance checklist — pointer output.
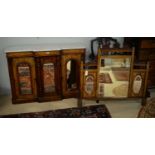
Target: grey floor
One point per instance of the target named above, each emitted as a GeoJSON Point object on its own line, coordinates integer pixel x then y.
{"type": "Point", "coordinates": [118, 108]}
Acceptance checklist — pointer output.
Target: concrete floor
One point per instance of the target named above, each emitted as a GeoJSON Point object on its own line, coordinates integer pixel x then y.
{"type": "Point", "coordinates": [118, 108]}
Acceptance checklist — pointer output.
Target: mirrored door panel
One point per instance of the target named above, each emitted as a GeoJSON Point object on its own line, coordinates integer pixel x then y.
{"type": "Point", "coordinates": [113, 78]}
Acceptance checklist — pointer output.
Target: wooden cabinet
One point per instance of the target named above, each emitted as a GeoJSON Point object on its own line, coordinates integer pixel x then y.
{"type": "Point", "coordinates": [22, 76]}
{"type": "Point", "coordinates": [45, 75]}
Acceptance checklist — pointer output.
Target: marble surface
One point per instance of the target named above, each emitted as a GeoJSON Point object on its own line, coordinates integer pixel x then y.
{"type": "Point", "coordinates": [42, 47]}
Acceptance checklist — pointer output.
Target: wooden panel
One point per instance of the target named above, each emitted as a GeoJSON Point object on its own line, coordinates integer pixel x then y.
{"type": "Point", "coordinates": [73, 51]}
{"type": "Point", "coordinates": [152, 65]}
{"type": "Point", "coordinates": [151, 83]}
{"type": "Point", "coordinates": [152, 74]}
{"type": "Point", "coordinates": [146, 52]}
{"type": "Point", "coordinates": [147, 43]}
{"type": "Point", "coordinates": [143, 55]}
{"type": "Point", "coordinates": [116, 50]}
{"type": "Point", "coordinates": [19, 54]}
{"type": "Point", "coordinates": [152, 55]}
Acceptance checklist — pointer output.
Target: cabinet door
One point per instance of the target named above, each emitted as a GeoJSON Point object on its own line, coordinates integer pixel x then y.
{"type": "Point", "coordinates": [24, 80]}
{"type": "Point", "coordinates": [71, 61]}
{"type": "Point", "coordinates": [49, 79]}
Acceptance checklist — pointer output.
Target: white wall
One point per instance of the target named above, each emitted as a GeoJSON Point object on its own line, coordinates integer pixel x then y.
{"type": "Point", "coordinates": [35, 43]}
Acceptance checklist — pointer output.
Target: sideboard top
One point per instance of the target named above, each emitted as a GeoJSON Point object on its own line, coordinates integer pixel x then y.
{"type": "Point", "coordinates": [41, 47]}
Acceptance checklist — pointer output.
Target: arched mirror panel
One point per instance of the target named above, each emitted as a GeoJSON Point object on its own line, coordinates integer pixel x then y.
{"type": "Point", "coordinates": [71, 75]}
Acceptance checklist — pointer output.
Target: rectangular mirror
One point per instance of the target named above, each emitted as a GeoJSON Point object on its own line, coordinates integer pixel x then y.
{"type": "Point", "coordinates": [114, 77]}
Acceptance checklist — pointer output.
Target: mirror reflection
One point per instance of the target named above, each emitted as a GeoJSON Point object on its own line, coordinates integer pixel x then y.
{"type": "Point", "coordinates": [24, 79]}
{"type": "Point", "coordinates": [71, 75]}
{"type": "Point", "coordinates": [114, 77]}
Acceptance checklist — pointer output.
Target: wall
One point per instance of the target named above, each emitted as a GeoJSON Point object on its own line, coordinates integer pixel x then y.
{"type": "Point", "coordinates": [35, 43]}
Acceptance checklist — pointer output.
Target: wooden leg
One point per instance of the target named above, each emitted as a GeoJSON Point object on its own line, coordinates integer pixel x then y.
{"type": "Point", "coordinates": [144, 100]}
{"type": "Point", "coordinates": [79, 103]}
{"type": "Point", "coordinates": [97, 101]}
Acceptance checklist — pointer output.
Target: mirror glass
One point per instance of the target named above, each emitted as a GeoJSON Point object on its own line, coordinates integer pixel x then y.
{"type": "Point", "coordinates": [24, 79]}
{"type": "Point", "coordinates": [137, 84]}
{"type": "Point", "coordinates": [114, 77]}
{"type": "Point", "coordinates": [49, 77]}
{"type": "Point", "coordinates": [71, 75]}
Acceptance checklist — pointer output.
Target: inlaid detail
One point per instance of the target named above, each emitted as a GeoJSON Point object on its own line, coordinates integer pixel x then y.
{"type": "Point", "coordinates": [89, 86]}
{"type": "Point", "coordinates": [25, 84]}
{"type": "Point", "coordinates": [137, 84]}
{"type": "Point", "coordinates": [49, 77]}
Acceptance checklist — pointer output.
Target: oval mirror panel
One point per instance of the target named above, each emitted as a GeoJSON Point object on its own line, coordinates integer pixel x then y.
{"type": "Point", "coordinates": [137, 84]}
{"type": "Point", "coordinates": [89, 87]}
